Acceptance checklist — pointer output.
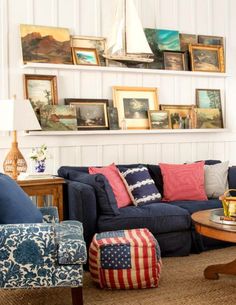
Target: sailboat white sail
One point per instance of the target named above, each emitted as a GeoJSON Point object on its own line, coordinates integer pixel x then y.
{"type": "Point", "coordinates": [127, 42]}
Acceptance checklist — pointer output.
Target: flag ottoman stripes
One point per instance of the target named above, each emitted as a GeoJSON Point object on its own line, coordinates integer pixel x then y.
{"type": "Point", "coordinates": [125, 259]}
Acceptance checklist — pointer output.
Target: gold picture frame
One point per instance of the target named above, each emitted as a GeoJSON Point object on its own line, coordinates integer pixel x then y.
{"type": "Point", "coordinates": [91, 42]}
{"type": "Point", "coordinates": [207, 58]}
{"type": "Point", "coordinates": [85, 56]}
{"type": "Point", "coordinates": [133, 104]}
{"type": "Point", "coordinates": [181, 116]}
{"type": "Point", "coordinates": [159, 119]}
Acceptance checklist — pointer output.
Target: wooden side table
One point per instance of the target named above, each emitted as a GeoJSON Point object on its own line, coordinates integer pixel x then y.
{"type": "Point", "coordinates": [44, 187]}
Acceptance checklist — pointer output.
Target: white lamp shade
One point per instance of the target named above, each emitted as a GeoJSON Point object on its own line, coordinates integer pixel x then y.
{"type": "Point", "coordinates": [17, 115]}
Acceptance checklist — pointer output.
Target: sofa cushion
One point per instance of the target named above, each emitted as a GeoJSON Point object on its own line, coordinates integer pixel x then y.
{"type": "Point", "coordinates": [183, 181]}
{"type": "Point", "coordinates": [195, 206]}
{"type": "Point", "coordinates": [157, 217]}
{"type": "Point", "coordinates": [15, 205]}
{"type": "Point", "coordinates": [216, 179]}
{"type": "Point", "coordinates": [141, 185]}
{"type": "Point", "coordinates": [113, 176]}
{"type": "Point", "coordinates": [105, 196]}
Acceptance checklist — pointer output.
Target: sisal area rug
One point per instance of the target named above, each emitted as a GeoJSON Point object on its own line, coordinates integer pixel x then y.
{"type": "Point", "coordinates": [182, 283]}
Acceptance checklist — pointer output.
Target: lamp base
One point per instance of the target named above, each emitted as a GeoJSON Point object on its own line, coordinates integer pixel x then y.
{"type": "Point", "coordinates": [14, 163]}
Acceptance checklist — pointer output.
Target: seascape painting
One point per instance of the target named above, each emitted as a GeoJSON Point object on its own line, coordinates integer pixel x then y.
{"type": "Point", "coordinates": [136, 108]}
{"type": "Point", "coordinates": [151, 35]}
{"type": "Point", "coordinates": [58, 118]}
{"type": "Point", "coordinates": [168, 40]}
{"type": "Point", "coordinates": [205, 60]}
{"type": "Point", "coordinates": [43, 44]}
{"type": "Point", "coordinates": [174, 61]}
{"type": "Point", "coordinates": [83, 56]}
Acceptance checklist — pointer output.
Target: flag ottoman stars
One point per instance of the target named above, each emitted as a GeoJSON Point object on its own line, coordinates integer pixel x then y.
{"type": "Point", "coordinates": [125, 259]}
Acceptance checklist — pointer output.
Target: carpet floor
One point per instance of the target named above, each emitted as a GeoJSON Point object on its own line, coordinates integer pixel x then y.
{"type": "Point", "coordinates": [182, 283]}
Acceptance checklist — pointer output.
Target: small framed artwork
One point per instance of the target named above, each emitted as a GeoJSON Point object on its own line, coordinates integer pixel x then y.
{"type": "Point", "coordinates": [159, 119]}
{"type": "Point", "coordinates": [133, 104]}
{"type": "Point", "coordinates": [85, 56]}
{"type": "Point", "coordinates": [211, 40]}
{"type": "Point", "coordinates": [174, 61]}
{"type": "Point", "coordinates": [207, 58]}
{"type": "Point", "coordinates": [91, 42]}
{"type": "Point", "coordinates": [113, 118]}
{"type": "Point", "coordinates": [91, 114]}
{"type": "Point", "coordinates": [58, 118]}
{"type": "Point", "coordinates": [181, 116]}
{"type": "Point", "coordinates": [186, 39]}
{"type": "Point", "coordinates": [208, 98]}
{"type": "Point", "coordinates": [208, 118]}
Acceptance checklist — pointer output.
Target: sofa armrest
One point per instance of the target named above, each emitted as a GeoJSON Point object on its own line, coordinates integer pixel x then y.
{"type": "Point", "coordinates": [70, 241]}
{"type": "Point", "coordinates": [82, 206]}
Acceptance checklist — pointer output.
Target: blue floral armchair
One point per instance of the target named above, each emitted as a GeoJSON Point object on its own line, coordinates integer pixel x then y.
{"type": "Point", "coordinates": [48, 254]}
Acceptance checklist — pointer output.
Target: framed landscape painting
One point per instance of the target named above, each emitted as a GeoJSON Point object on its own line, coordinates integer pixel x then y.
{"type": "Point", "coordinates": [181, 116]}
{"type": "Point", "coordinates": [174, 61]}
{"type": "Point", "coordinates": [211, 40]}
{"type": "Point", "coordinates": [85, 56]}
{"type": "Point", "coordinates": [133, 104]}
{"type": "Point", "coordinates": [91, 114]}
{"type": "Point", "coordinates": [58, 118]}
{"type": "Point", "coordinates": [159, 119]}
{"type": "Point", "coordinates": [91, 42]}
{"type": "Point", "coordinates": [208, 118]}
{"type": "Point", "coordinates": [207, 58]}
{"type": "Point", "coordinates": [44, 44]}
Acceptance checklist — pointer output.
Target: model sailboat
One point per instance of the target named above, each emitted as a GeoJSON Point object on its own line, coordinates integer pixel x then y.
{"type": "Point", "coordinates": [128, 42]}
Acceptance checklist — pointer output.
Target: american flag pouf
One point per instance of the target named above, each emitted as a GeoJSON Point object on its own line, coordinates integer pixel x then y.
{"type": "Point", "coordinates": [125, 259]}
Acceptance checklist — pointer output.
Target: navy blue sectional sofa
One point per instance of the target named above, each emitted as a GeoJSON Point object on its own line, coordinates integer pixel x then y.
{"type": "Point", "coordinates": [89, 199]}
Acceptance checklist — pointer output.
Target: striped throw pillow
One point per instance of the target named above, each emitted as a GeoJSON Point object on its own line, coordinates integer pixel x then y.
{"type": "Point", "coordinates": [140, 185]}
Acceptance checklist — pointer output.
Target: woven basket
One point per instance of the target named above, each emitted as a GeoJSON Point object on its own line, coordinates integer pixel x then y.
{"type": "Point", "coordinates": [229, 203]}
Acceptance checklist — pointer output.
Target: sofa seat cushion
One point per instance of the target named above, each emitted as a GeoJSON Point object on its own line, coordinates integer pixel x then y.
{"type": "Point", "coordinates": [195, 206]}
{"type": "Point", "coordinates": [157, 217]}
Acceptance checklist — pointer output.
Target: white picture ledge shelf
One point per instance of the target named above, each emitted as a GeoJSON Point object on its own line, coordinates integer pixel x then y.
{"type": "Point", "coordinates": [123, 132]}
{"type": "Point", "coordinates": [121, 69]}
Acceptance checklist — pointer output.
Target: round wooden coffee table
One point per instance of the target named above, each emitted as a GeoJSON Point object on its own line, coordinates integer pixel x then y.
{"type": "Point", "coordinates": [206, 227]}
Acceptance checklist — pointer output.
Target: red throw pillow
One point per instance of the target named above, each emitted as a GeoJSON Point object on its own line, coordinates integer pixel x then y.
{"type": "Point", "coordinates": [183, 181]}
{"type": "Point", "coordinates": [112, 174]}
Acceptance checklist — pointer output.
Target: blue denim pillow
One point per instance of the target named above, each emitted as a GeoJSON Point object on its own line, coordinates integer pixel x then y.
{"type": "Point", "coordinates": [141, 185]}
{"type": "Point", "coordinates": [15, 205]}
{"type": "Point", "coordinates": [105, 196]}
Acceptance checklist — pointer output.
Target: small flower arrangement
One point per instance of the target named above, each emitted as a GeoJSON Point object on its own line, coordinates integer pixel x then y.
{"type": "Point", "coordinates": [39, 154]}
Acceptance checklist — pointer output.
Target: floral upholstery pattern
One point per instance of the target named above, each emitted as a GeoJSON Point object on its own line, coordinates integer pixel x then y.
{"type": "Point", "coordinates": [32, 255]}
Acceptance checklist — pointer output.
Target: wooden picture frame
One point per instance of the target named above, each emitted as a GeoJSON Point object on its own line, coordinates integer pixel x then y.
{"type": "Point", "coordinates": [174, 61]}
{"type": "Point", "coordinates": [159, 119]}
{"type": "Point", "coordinates": [133, 104]}
{"type": "Point", "coordinates": [211, 40]}
{"type": "Point", "coordinates": [91, 113]}
{"type": "Point", "coordinates": [92, 42]}
{"type": "Point", "coordinates": [207, 58]}
{"type": "Point", "coordinates": [208, 118]}
{"type": "Point", "coordinates": [85, 56]}
{"type": "Point", "coordinates": [181, 116]}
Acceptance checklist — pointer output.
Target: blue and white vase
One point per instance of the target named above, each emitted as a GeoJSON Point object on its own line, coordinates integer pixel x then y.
{"type": "Point", "coordinates": [40, 166]}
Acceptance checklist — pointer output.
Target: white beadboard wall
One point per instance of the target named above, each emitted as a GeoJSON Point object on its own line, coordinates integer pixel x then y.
{"type": "Point", "coordinates": [94, 17]}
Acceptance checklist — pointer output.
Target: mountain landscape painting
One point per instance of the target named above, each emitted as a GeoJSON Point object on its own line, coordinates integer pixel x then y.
{"type": "Point", "coordinates": [43, 44]}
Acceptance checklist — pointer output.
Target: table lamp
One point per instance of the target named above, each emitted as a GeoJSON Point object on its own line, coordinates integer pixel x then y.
{"type": "Point", "coordinates": [16, 115]}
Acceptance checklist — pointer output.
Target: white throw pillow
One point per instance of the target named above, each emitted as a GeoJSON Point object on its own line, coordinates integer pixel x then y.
{"type": "Point", "coordinates": [216, 179]}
